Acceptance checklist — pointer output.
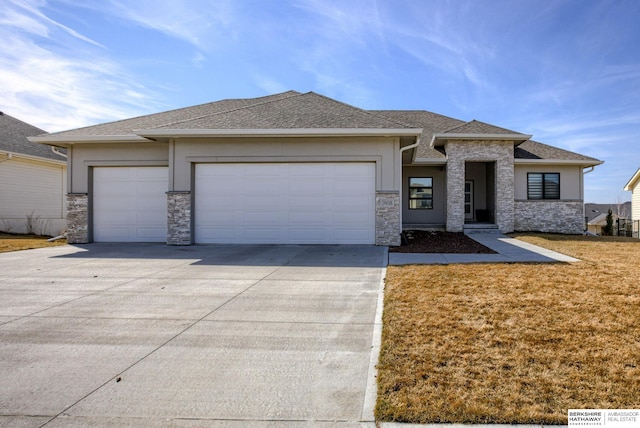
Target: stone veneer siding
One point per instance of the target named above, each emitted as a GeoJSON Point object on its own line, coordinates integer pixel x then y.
{"type": "Point", "coordinates": [388, 218]}
{"type": "Point", "coordinates": [549, 216]}
{"type": "Point", "coordinates": [77, 218]}
{"type": "Point", "coordinates": [461, 151]}
{"type": "Point", "coordinates": [179, 218]}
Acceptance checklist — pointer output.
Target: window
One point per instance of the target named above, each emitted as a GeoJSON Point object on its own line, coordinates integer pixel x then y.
{"type": "Point", "coordinates": [543, 185]}
{"type": "Point", "coordinates": [421, 193]}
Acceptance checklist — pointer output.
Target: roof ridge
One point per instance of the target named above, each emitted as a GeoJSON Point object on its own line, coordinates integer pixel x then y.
{"type": "Point", "coordinates": [2, 113]}
{"type": "Point", "coordinates": [482, 123]}
{"type": "Point", "coordinates": [424, 111]}
{"type": "Point", "coordinates": [294, 94]}
{"type": "Point", "coordinates": [459, 126]}
{"type": "Point", "coordinates": [165, 112]}
{"type": "Point", "coordinates": [369, 112]}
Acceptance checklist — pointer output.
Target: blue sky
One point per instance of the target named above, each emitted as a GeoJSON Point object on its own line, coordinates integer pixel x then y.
{"type": "Point", "coordinates": [567, 72]}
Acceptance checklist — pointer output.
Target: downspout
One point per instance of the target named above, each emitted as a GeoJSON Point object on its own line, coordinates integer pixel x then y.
{"type": "Point", "coordinates": [402, 150]}
{"type": "Point", "coordinates": [9, 156]}
{"type": "Point", "coordinates": [54, 149]}
{"type": "Point", "coordinates": [586, 171]}
{"type": "Point", "coordinates": [410, 146]}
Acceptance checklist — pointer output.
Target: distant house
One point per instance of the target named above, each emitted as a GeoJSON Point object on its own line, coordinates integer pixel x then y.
{"type": "Point", "coordinates": [634, 187]}
{"type": "Point", "coordinates": [596, 215]}
{"type": "Point", "coordinates": [32, 181]}
{"type": "Point", "coordinates": [302, 168]}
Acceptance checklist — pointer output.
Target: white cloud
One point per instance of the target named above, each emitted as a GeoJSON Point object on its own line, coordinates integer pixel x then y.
{"type": "Point", "coordinates": [65, 83]}
{"type": "Point", "coordinates": [201, 23]}
{"type": "Point", "coordinates": [269, 85]}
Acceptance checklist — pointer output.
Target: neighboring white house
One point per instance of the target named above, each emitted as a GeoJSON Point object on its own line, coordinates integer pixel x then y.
{"type": "Point", "coordinates": [633, 186]}
{"type": "Point", "coordinates": [32, 181]}
{"type": "Point", "coordinates": [302, 168]}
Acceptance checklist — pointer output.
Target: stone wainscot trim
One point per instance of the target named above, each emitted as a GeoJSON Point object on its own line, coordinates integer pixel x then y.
{"type": "Point", "coordinates": [549, 216]}
{"type": "Point", "coordinates": [77, 218]}
{"type": "Point", "coordinates": [388, 218]}
{"type": "Point", "coordinates": [179, 218]}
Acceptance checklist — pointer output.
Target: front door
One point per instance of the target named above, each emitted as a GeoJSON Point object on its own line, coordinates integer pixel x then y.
{"type": "Point", "coordinates": [468, 200]}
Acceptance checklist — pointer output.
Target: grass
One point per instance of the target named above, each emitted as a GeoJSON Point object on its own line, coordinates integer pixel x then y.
{"type": "Point", "coordinates": [513, 343]}
{"type": "Point", "coordinates": [9, 242]}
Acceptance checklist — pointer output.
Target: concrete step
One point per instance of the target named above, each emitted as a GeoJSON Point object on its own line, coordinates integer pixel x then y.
{"type": "Point", "coordinates": [480, 228]}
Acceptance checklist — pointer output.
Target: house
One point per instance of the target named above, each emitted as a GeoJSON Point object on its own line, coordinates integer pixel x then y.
{"type": "Point", "coordinates": [32, 181]}
{"type": "Point", "coordinates": [304, 168]}
{"type": "Point", "coordinates": [633, 186]}
{"type": "Point", "coordinates": [596, 215]}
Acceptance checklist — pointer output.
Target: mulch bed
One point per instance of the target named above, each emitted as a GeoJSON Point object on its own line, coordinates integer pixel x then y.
{"type": "Point", "coordinates": [422, 241]}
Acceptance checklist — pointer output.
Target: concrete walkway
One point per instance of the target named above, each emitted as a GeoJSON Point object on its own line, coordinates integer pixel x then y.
{"type": "Point", "coordinates": [145, 335]}
{"type": "Point", "coordinates": [510, 250]}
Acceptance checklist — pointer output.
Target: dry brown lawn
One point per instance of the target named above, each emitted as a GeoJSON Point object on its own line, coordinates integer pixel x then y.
{"type": "Point", "coordinates": [25, 242]}
{"type": "Point", "coordinates": [513, 343]}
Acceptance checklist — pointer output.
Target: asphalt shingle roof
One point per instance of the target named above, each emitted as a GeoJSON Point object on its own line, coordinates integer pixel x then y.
{"type": "Point", "coordinates": [477, 127]}
{"type": "Point", "coordinates": [295, 110]}
{"type": "Point", "coordinates": [533, 150]}
{"type": "Point", "coordinates": [13, 138]}
{"type": "Point", "coordinates": [288, 110]}
{"type": "Point", "coordinates": [431, 123]}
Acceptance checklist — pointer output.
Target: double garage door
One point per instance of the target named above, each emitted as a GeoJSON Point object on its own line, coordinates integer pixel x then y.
{"type": "Point", "coordinates": [285, 203]}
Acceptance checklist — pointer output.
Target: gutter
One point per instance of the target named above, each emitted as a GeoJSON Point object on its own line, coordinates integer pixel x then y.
{"type": "Point", "coordinates": [9, 156]}
{"type": "Point", "coordinates": [149, 135]}
{"type": "Point", "coordinates": [280, 132]}
{"type": "Point", "coordinates": [437, 139]}
{"type": "Point", "coordinates": [586, 163]}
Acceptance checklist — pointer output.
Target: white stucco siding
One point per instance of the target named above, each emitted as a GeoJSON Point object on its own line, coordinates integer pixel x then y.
{"type": "Point", "coordinates": [436, 215]}
{"type": "Point", "coordinates": [85, 156]}
{"type": "Point", "coordinates": [571, 179]}
{"type": "Point", "coordinates": [35, 189]}
{"type": "Point", "coordinates": [383, 151]}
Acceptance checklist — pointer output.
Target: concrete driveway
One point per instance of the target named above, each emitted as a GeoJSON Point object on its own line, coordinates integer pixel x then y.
{"type": "Point", "coordinates": [150, 335]}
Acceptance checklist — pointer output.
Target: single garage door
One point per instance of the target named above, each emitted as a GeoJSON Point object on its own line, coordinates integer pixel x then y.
{"type": "Point", "coordinates": [130, 204]}
{"type": "Point", "coordinates": [287, 203]}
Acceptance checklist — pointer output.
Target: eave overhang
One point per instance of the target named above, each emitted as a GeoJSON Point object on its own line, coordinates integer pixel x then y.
{"type": "Point", "coordinates": [151, 135]}
{"type": "Point", "coordinates": [583, 163]}
{"type": "Point", "coordinates": [430, 161]}
{"type": "Point", "coordinates": [61, 141]}
{"type": "Point", "coordinates": [283, 132]}
{"type": "Point", "coordinates": [440, 139]}
{"type": "Point", "coordinates": [33, 158]}
{"type": "Point", "coordinates": [578, 162]}
{"type": "Point", "coordinates": [629, 186]}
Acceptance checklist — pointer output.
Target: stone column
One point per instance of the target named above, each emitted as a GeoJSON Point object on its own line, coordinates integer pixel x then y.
{"type": "Point", "coordinates": [388, 227]}
{"type": "Point", "coordinates": [179, 218]}
{"type": "Point", "coordinates": [455, 192]}
{"type": "Point", "coordinates": [458, 154]}
{"type": "Point", "coordinates": [77, 218]}
{"type": "Point", "coordinates": [505, 192]}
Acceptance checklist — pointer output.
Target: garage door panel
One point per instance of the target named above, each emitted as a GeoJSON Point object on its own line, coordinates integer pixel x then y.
{"type": "Point", "coordinates": [130, 204]}
{"type": "Point", "coordinates": [308, 203]}
{"type": "Point", "coordinates": [285, 203]}
{"type": "Point", "coordinates": [302, 217]}
{"type": "Point", "coordinates": [306, 234]}
{"type": "Point", "coordinates": [222, 234]}
{"type": "Point", "coordinates": [262, 218]}
{"type": "Point", "coordinates": [308, 186]}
